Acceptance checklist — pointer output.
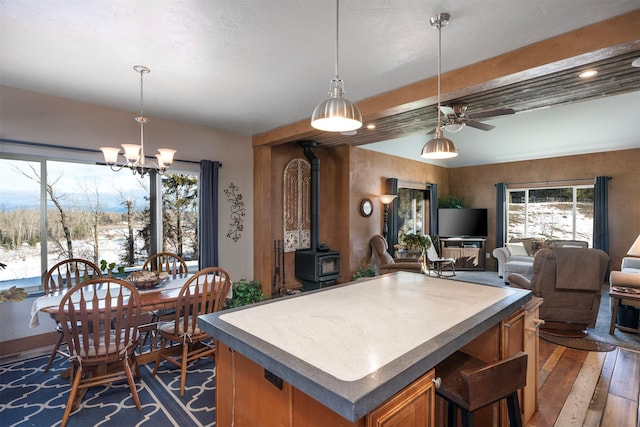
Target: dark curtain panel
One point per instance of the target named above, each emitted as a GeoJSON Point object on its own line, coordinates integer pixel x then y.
{"type": "Point", "coordinates": [208, 213]}
{"type": "Point", "coordinates": [433, 209]}
{"type": "Point", "coordinates": [501, 214]}
{"type": "Point", "coordinates": [392, 237]}
{"type": "Point", "coordinates": [601, 214]}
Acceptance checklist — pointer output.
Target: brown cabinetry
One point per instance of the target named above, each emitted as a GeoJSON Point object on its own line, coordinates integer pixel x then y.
{"type": "Point", "coordinates": [246, 393]}
{"type": "Point", "coordinates": [246, 397]}
{"type": "Point", "coordinates": [469, 253]}
{"type": "Point", "coordinates": [413, 406]}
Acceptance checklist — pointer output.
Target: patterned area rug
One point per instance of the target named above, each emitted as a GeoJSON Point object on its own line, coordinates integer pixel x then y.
{"type": "Point", "coordinates": [31, 397]}
{"type": "Point", "coordinates": [577, 343]}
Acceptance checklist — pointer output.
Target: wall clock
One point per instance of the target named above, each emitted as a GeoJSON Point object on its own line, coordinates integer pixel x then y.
{"type": "Point", "coordinates": [366, 207]}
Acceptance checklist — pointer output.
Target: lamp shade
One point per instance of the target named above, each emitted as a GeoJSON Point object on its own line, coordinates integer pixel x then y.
{"type": "Point", "coordinates": [110, 154]}
{"type": "Point", "coordinates": [634, 250]}
{"type": "Point", "coordinates": [387, 198]}
{"type": "Point", "coordinates": [454, 127]}
{"type": "Point", "coordinates": [439, 147]}
{"type": "Point", "coordinates": [131, 152]}
{"type": "Point", "coordinates": [336, 114]}
{"type": "Point", "coordinates": [166, 155]}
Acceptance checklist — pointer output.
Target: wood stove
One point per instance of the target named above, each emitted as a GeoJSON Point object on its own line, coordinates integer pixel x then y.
{"type": "Point", "coordinates": [318, 266]}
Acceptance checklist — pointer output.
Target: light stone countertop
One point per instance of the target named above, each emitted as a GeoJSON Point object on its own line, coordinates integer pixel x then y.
{"type": "Point", "coordinates": [353, 346]}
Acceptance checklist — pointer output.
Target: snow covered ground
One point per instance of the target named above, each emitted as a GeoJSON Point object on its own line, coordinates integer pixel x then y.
{"type": "Point", "coordinates": [25, 261]}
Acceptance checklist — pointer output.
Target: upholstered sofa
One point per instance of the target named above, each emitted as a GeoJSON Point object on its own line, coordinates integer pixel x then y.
{"type": "Point", "coordinates": [570, 282]}
{"type": "Point", "coordinates": [513, 258]}
{"type": "Point", "coordinates": [385, 263]}
{"type": "Point", "coordinates": [629, 274]}
{"type": "Point", "coordinates": [566, 244]}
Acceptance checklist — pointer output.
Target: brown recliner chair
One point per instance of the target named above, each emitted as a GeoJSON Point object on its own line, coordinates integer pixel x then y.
{"type": "Point", "coordinates": [570, 282]}
{"type": "Point", "coordinates": [385, 263]}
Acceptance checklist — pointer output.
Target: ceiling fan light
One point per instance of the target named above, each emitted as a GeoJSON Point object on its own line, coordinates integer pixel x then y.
{"type": "Point", "coordinates": [454, 127]}
{"type": "Point", "coordinates": [439, 148]}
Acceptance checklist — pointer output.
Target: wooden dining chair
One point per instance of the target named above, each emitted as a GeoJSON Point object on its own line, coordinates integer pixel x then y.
{"type": "Point", "coordinates": [63, 276]}
{"type": "Point", "coordinates": [99, 318]}
{"type": "Point", "coordinates": [166, 261]}
{"type": "Point", "coordinates": [203, 293]}
{"type": "Point", "coordinates": [162, 262]}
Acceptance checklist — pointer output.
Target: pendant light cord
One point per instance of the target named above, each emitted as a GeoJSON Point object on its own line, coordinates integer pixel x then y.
{"type": "Point", "coordinates": [337, 35]}
{"type": "Point", "coordinates": [141, 92]}
{"type": "Point", "coordinates": [439, 65]}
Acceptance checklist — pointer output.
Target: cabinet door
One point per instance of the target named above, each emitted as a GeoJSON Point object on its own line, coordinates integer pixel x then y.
{"type": "Point", "coordinates": [244, 397]}
{"type": "Point", "coordinates": [411, 407]}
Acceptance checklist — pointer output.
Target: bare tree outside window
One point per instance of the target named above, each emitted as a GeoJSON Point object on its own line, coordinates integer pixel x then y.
{"type": "Point", "coordinates": [564, 213]}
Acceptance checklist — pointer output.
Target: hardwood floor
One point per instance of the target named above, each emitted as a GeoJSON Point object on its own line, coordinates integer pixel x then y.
{"type": "Point", "coordinates": [580, 388]}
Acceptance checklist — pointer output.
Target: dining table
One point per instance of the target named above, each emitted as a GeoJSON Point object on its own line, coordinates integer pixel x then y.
{"type": "Point", "coordinates": [164, 296]}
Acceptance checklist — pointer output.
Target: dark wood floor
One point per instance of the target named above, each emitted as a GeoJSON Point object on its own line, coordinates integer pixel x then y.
{"type": "Point", "coordinates": [580, 388]}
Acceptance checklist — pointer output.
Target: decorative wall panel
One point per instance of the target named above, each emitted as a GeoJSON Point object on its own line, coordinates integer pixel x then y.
{"type": "Point", "coordinates": [297, 216]}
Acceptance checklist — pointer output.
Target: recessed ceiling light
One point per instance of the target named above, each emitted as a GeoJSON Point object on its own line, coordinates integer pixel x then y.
{"type": "Point", "coordinates": [588, 73]}
{"type": "Point", "coordinates": [349, 132]}
{"type": "Point", "coordinates": [371, 126]}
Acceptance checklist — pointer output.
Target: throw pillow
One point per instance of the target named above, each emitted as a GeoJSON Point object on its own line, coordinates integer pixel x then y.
{"type": "Point", "coordinates": [517, 249]}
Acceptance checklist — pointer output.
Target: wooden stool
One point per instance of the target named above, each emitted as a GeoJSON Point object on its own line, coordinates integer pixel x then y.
{"type": "Point", "coordinates": [471, 384]}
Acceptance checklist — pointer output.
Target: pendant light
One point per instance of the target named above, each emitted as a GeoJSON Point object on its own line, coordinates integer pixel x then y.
{"type": "Point", "coordinates": [134, 153]}
{"type": "Point", "coordinates": [336, 114]}
{"type": "Point", "coordinates": [439, 147]}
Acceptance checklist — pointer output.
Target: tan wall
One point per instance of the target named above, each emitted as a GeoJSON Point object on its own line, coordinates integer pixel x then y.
{"type": "Point", "coordinates": [368, 173]}
{"type": "Point", "coordinates": [477, 185]}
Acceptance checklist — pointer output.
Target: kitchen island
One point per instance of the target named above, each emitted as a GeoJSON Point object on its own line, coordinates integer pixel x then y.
{"type": "Point", "coordinates": [348, 348]}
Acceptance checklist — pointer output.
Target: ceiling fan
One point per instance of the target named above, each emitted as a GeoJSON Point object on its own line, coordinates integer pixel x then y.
{"type": "Point", "coordinates": [456, 117]}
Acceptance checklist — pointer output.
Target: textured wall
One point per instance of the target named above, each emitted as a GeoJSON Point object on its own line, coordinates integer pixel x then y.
{"type": "Point", "coordinates": [477, 185]}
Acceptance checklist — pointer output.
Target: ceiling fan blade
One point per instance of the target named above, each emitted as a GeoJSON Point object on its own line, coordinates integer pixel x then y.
{"type": "Point", "coordinates": [479, 125]}
{"type": "Point", "coordinates": [492, 113]}
{"type": "Point", "coordinates": [447, 111]}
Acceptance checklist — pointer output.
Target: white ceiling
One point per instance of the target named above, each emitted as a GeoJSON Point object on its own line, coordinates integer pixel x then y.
{"type": "Point", "coordinates": [252, 66]}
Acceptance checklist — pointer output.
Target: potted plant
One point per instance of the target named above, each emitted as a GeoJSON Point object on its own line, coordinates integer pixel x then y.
{"type": "Point", "coordinates": [13, 293]}
{"type": "Point", "coordinates": [111, 269]}
{"type": "Point", "coordinates": [450, 201]}
{"type": "Point", "coordinates": [368, 271]}
{"type": "Point", "coordinates": [244, 293]}
{"type": "Point", "coordinates": [416, 243]}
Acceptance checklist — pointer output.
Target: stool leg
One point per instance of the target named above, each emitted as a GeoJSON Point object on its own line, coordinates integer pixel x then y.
{"type": "Point", "coordinates": [513, 405]}
{"type": "Point", "coordinates": [467, 418]}
{"type": "Point", "coordinates": [452, 412]}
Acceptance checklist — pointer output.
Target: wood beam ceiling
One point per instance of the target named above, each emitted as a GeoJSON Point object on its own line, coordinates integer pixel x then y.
{"type": "Point", "coordinates": [537, 76]}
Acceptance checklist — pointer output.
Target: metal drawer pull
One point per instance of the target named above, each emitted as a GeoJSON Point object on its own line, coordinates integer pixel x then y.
{"type": "Point", "coordinates": [536, 325]}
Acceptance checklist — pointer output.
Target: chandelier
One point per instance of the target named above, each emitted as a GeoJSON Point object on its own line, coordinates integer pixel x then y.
{"type": "Point", "coordinates": [134, 153]}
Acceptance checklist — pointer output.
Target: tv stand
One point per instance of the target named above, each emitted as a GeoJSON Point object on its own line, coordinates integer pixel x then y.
{"type": "Point", "coordinates": [469, 252]}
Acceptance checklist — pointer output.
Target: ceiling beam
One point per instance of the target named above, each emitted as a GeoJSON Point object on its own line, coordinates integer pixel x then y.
{"type": "Point", "coordinates": [582, 46]}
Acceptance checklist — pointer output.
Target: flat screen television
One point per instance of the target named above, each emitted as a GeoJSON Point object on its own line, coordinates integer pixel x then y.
{"type": "Point", "coordinates": [462, 222]}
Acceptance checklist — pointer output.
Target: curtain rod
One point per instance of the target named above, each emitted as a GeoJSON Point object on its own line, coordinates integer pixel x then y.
{"type": "Point", "coordinates": [77, 149]}
{"type": "Point", "coordinates": [554, 182]}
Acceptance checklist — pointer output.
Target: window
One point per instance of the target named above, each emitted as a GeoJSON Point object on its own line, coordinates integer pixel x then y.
{"type": "Point", "coordinates": [411, 211]}
{"type": "Point", "coordinates": [561, 213]}
{"type": "Point", "coordinates": [84, 210]}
